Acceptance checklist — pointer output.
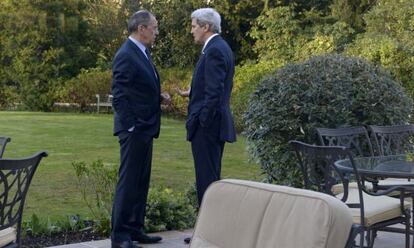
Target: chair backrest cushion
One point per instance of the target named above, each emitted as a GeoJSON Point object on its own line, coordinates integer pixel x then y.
{"type": "Point", "coordinates": [244, 214]}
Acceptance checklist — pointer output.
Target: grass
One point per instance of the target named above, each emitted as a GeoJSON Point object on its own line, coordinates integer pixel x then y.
{"type": "Point", "coordinates": [88, 137]}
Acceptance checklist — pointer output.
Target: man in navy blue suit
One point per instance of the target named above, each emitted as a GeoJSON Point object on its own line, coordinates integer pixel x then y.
{"type": "Point", "coordinates": [136, 101]}
{"type": "Point", "coordinates": [210, 122]}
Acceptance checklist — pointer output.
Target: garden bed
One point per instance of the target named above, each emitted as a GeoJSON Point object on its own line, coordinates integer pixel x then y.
{"type": "Point", "coordinates": [61, 238]}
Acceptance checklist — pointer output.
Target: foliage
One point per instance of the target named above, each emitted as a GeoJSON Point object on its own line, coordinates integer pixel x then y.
{"type": "Point", "coordinates": [352, 11]}
{"type": "Point", "coordinates": [98, 180]}
{"type": "Point", "coordinates": [325, 91]}
{"type": "Point", "coordinates": [107, 29]}
{"type": "Point", "coordinates": [191, 195]}
{"type": "Point", "coordinates": [166, 210]}
{"type": "Point", "coordinates": [172, 79]}
{"type": "Point", "coordinates": [40, 43]}
{"type": "Point", "coordinates": [83, 88]}
{"type": "Point", "coordinates": [282, 35]}
{"type": "Point", "coordinates": [389, 40]}
{"type": "Point", "coordinates": [247, 77]}
{"type": "Point", "coordinates": [390, 53]}
{"type": "Point", "coordinates": [8, 97]}
{"type": "Point", "coordinates": [274, 34]}
{"type": "Point", "coordinates": [37, 226]}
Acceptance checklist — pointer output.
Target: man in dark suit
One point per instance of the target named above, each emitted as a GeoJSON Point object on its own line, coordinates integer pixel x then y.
{"type": "Point", "coordinates": [136, 101]}
{"type": "Point", "coordinates": [210, 122]}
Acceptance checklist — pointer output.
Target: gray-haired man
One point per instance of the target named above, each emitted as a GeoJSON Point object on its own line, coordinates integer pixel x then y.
{"type": "Point", "coordinates": [210, 122]}
{"type": "Point", "coordinates": [137, 97]}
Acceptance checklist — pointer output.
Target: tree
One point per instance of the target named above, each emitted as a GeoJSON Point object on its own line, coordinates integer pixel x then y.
{"type": "Point", "coordinates": [29, 65]}
{"type": "Point", "coordinates": [389, 39]}
{"type": "Point", "coordinates": [352, 11]}
{"type": "Point", "coordinates": [283, 36]}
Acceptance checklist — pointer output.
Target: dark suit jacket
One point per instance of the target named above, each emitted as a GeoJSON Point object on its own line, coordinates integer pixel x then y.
{"type": "Point", "coordinates": [136, 92]}
{"type": "Point", "coordinates": [211, 86]}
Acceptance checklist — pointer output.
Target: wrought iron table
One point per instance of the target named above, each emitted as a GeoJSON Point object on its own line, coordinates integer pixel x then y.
{"type": "Point", "coordinates": [373, 169]}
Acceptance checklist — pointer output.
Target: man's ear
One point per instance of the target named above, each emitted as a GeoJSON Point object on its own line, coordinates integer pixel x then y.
{"type": "Point", "coordinates": [206, 27]}
{"type": "Point", "coordinates": [140, 28]}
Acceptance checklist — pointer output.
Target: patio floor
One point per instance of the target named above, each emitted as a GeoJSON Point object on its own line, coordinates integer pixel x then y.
{"type": "Point", "coordinates": [171, 239]}
{"type": "Point", "coordinates": [175, 239]}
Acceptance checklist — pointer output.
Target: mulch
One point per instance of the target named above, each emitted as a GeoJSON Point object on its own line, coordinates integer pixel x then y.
{"type": "Point", "coordinates": [60, 239]}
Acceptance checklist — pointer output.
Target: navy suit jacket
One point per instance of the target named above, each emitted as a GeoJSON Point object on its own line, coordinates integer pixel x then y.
{"type": "Point", "coordinates": [136, 92]}
{"type": "Point", "coordinates": [211, 86]}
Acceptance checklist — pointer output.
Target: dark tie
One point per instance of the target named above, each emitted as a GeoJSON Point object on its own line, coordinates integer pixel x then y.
{"type": "Point", "coordinates": [148, 55]}
{"type": "Point", "coordinates": [150, 60]}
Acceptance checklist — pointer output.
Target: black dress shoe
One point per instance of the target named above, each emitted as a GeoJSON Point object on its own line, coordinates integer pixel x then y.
{"type": "Point", "coordinates": [124, 244]}
{"type": "Point", "coordinates": [145, 239]}
{"type": "Point", "coordinates": [187, 240]}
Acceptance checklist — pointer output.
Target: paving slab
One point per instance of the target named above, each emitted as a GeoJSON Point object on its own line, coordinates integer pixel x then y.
{"type": "Point", "coordinates": [171, 239]}
{"type": "Point", "coordinates": [175, 239]}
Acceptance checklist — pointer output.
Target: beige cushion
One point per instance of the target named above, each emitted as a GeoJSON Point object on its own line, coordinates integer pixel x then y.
{"type": "Point", "coordinates": [393, 182]}
{"type": "Point", "coordinates": [7, 236]}
{"type": "Point", "coordinates": [377, 208]}
{"type": "Point", "coordinates": [339, 188]}
{"type": "Point", "coordinates": [244, 214]}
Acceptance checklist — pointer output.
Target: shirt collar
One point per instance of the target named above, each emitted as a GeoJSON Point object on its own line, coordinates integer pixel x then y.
{"type": "Point", "coordinates": [207, 41]}
{"type": "Point", "coordinates": [139, 45]}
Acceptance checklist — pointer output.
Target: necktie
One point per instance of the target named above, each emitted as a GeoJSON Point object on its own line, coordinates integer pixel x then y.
{"type": "Point", "coordinates": [148, 55]}
{"type": "Point", "coordinates": [150, 60]}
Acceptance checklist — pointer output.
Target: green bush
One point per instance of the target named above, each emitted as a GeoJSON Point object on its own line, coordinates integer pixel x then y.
{"type": "Point", "coordinates": [245, 81]}
{"type": "Point", "coordinates": [97, 182]}
{"type": "Point", "coordinates": [166, 210]}
{"type": "Point", "coordinates": [83, 88]}
{"type": "Point", "coordinates": [9, 97]}
{"type": "Point", "coordinates": [389, 53]}
{"type": "Point", "coordinates": [325, 91]}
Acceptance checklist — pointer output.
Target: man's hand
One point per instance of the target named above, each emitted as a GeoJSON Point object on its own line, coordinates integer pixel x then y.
{"type": "Point", "coordinates": [183, 92]}
{"type": "Point", "coordinates": [166, 98]}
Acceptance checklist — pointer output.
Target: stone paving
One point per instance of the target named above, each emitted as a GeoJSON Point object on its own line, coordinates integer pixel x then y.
{"type": "Point", "coordinates": [171, 239]}
{"type": "Point", "coordinates": [175, 239]}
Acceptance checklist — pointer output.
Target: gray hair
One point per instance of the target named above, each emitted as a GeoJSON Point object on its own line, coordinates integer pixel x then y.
{"type": "Point", "coordinates": [208, 16]}
{"type": "Point", "coordinates": [141, 17]}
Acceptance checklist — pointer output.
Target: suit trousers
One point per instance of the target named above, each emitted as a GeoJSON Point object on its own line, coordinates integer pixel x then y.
{"type": "Point", "coordinates": [207, 153]}
{"type": "Point", "coordinates": [131, 192]}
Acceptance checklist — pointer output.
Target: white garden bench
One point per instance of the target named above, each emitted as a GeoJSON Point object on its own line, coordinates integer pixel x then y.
{"type": "Point", "coordinates": [105, 101]}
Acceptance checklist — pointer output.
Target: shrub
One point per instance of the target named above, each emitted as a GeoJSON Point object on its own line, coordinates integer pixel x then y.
{"type": "Point", "coordinates": [9, 97]}
{"type": "Point", "coordinates": [245, 81]}
{"type": "Point", "coordinates": [83, 88]}
{"type": "Point", "coordinates": [166, 210]}
{"type": "Point", "coordinates": [325, 91]}
{"type": "Point", "coordinates": [97, 182]}
{"type": "Point", "coordinates": [388, 52]}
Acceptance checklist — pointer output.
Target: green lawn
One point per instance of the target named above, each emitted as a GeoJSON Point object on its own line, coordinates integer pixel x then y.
{"type": "Point", "coordinates": [88, 137]}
